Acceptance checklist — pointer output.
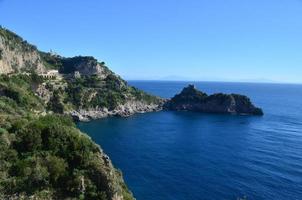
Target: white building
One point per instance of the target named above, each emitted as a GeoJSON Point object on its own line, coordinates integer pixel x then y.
{"type": "Point", "coordinates": [50, 74]}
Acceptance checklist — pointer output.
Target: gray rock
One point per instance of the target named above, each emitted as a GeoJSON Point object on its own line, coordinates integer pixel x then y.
{"type": "Point", "coordinates": [124, 110]}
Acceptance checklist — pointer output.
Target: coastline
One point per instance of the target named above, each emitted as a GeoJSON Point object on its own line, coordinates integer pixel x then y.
{"type": "Point", "coordinates": [125, 110]}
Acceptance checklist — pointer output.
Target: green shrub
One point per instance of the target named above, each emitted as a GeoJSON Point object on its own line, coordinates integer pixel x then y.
{"type": "Point", "coordinates": [50, 152]}
{"type": "Point", "coordinates": [55, 104]}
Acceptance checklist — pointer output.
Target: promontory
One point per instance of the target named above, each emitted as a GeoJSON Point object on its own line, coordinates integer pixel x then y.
{"type": "Point", "coordinates": [42, 153]}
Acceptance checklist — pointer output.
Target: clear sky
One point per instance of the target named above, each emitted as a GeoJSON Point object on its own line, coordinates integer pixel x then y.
{"type": "Point", "coordinates": [218, 40]}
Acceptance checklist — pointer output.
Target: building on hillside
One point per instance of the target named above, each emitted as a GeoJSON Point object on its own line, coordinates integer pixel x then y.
{"type": "Point", "coordinates": [77, 74]}
{"type": "Point", "coordinates": [50, 74]}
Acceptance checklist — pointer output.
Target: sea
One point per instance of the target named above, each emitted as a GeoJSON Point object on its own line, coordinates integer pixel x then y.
{"type": "Point", "coordinates": [194, 156]}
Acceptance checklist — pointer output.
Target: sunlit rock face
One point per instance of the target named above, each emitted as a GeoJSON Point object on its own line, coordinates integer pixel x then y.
{"type": "Point", "coordinates": [16, 55]}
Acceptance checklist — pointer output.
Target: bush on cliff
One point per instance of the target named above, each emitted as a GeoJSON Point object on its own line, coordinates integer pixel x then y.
{"type": "Point", "coordinates": [50, 154]}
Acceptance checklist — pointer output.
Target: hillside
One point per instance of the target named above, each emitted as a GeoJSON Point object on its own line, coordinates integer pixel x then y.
{"type": "Point", "coordinates": [79, 86]}
{"type": "Point", "coordinates": [43, 155]}
{"type": "Point", "coordinates": [48, 158]}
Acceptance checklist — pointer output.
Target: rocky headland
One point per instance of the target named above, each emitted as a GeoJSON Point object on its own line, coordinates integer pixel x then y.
{"type": "Point", "coordinates": [43, 155]}
{"type": "Point", "coordinates": [191, 99]}
{"type": "Point", "coordinates": [40, 92]}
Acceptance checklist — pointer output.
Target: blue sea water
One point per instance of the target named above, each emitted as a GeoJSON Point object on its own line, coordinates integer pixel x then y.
{"type": "Point", "coordinates": [192, 156]}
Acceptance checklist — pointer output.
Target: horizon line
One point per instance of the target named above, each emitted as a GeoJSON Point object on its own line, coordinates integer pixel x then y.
{"type": "Point", "coordinates": [254, 82]}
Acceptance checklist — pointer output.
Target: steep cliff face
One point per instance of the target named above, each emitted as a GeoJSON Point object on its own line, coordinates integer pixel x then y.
{"type": "Point", "coordinates": [85, 65]}
{"type": "Point", "coordinates": [16, 55]}
{"type": "Point", "coordinates": [190, 99]}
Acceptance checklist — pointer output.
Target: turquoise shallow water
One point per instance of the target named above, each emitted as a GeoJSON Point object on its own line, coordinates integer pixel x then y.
{"type": "Point", "coordinates": [189, 156]}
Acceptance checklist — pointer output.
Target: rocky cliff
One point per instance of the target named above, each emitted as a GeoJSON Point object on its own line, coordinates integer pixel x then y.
{"type": "Point", "coordinates": [81, 86]}
{"type": "Point", "coordinates": [16, 55]}
{"type": "Point", "coordinates": [190, 99]}
{"type": "Point", "coordinates": [42, 155]}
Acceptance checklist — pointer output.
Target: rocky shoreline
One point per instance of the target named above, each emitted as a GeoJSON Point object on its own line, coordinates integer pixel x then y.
{"type": "Point", "coordinates": [190, 99]}
{"type": "Point", "coordinates": [125, 110]}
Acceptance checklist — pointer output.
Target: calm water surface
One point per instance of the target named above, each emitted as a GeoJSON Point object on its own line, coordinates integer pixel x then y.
{"type": "Point", "coordinates": [192, 156]}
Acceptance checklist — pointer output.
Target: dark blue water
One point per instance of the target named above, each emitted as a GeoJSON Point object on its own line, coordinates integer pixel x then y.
{"type": "Point", "coordinates": [192, 156]}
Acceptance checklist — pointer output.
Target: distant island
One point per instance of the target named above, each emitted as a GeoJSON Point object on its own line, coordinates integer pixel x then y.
{"type": "Point", "coordinates": [43, 155]}
{"type": "Point", "coordinates": [191, 99]}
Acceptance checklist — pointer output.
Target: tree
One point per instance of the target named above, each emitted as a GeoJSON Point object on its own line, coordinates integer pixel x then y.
{"type": "Point", "coordinates": [55, 103]}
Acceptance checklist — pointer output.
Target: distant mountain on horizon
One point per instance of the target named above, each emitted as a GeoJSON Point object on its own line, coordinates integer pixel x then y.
{"type": "Point", "coordinates": [183, 78]}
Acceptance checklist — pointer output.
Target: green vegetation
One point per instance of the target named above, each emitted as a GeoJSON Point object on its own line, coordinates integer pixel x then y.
{"type": "Point", "coordinates": [143, 96]}
{"type": "Point", "coordinates": [84, 92]}
{"type": "Point", "coordinates": [48, 157]}
{"type": "Point", "coordinates": [42, 153]}
{"type": "Point", "coordinates": [219, 98]}
{"type": "Point", "coordinates": [189, 95]}
{"type": "Point", "coordinates": [194, 100]}
{"type": "Point", "coordinates": [69, 64]}
{"type": "Point", "coordinates": [51, 61]}
{"type": "Point", "coordinates": [48, 154]}
{"type": "Point", "coordinates": [91, 92]}
{"type": "Point", "coordinates": [245, 102]}
{"type": "Point", "coordinates": [16, 96]}
{"type": "Point", "coordinates": [55, 104]}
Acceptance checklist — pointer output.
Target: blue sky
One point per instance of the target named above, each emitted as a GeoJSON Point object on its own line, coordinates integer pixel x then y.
{"type": "Point", "coordinates": [218, 40]}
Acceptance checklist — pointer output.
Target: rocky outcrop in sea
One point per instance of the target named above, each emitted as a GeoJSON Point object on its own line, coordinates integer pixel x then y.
{"type": "Point", "coordinates": [191, 99]}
